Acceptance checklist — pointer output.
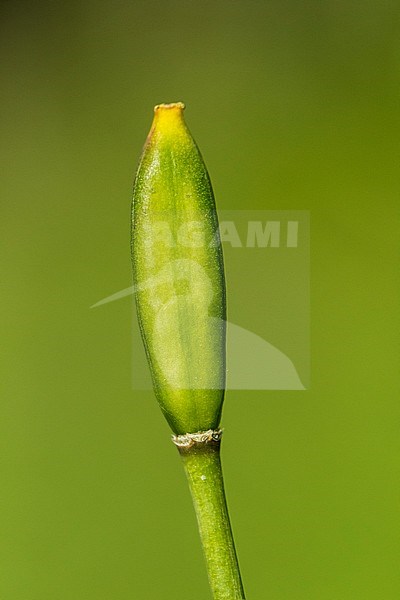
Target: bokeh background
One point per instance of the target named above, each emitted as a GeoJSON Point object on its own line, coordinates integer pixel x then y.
{"type": "Point", "coordinates": [294, 106]}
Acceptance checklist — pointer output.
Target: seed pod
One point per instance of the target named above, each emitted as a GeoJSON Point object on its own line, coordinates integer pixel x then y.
{"type": "Point", "coordinates": [178, 275]}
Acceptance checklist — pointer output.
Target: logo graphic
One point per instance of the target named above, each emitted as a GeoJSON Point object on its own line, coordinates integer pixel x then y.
{"type": "Point", "coordinates": [266, 255]}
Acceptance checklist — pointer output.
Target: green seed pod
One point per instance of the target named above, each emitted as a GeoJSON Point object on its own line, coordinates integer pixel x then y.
{"type": "Point", "coordinates": [178, 275]}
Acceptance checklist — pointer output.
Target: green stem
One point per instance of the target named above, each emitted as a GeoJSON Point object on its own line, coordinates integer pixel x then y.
{"type": "Point", "coordinates": [203, 469]}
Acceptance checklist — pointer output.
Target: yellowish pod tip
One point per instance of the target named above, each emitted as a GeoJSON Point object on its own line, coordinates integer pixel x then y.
{"type": "Point", "coordinates": [178, 274]}
{"type": "Point", "coordinates": [168, 120]}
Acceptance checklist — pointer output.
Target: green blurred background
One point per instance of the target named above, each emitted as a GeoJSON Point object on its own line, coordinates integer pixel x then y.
{"type": "Point", "coordinates": [294, 106]}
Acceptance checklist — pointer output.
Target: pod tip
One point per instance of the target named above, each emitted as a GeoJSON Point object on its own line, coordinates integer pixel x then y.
{"type": "Point", "coordinates": [168, 119]}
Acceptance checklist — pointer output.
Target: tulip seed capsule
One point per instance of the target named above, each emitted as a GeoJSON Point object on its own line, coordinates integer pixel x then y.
{"type": "Point", "coordinates": [179, 275]}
